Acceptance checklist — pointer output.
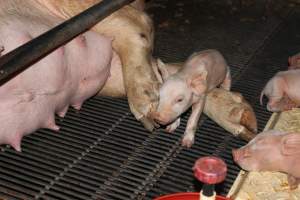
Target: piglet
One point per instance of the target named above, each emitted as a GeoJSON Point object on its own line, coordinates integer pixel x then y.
{"type": "Point", "coordinates": [272, 150]}
{"type": "Point", "coordinates": [232, 112]}
{"type": "Point", "coordinates": [202, 72]}
{"type": "Point", "coordinates": [283, 91]}
{"type": "Point", "coordinates": [228, 109]}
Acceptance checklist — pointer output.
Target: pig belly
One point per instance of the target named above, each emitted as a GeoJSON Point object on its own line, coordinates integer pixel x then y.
{"type": "Point", "coordinates": [93, 67]}
{"type": "Point", "coordinates": [67, 76]}
{"type": "Point", "coordinates": [114, 86]}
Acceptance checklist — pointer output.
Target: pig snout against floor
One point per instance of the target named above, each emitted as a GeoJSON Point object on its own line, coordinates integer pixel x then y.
{"type": "Point", "coordinates": [272, 151]}
{"type": "Point", "coordinates": [283, 91]}
{"type": "Point", "coordinates": [66, 77]}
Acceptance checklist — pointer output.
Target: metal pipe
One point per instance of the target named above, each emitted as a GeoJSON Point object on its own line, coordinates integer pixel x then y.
{"type": "Point", "coordinates": [22, 57]}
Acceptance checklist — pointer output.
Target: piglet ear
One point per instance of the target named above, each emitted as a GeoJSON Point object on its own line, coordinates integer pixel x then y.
{"type": "Point", "coordinates": [156, 71]}
{"type": "Point", "coordinates": [290, 144]}
{"type": "Point", "coordinates": [197, 83]}
{"type": "Point", "coordinates": [162, 69]}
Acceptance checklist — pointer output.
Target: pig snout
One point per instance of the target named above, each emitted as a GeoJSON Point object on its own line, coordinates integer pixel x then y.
{"type": "Point", "coordinates": [270, 108]}
{"type": "Point", "coordinates": [236, 155]}
{"type": "Point", "coordinates": [159, 118]}
{"type": "Point", "coordinates": [273, 109]}
{"type": "Point", "coordinates": [243, 158]}
{"type": "Point", "coordinates": [274, 106]}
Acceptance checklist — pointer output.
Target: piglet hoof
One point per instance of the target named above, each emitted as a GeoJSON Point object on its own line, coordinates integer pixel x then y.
{"type": "Point", "coordinates": [188, 139]}
{"type": "Point", "coordinates": [246, 135]}
{"type": "Point", "coordinates": [54, 127]}
{"type": "Point", "coordinates": [16, 142]}
{"type": "Point", "coordinates": [63, 112]}
{"type": "Point", "coordinates": [172, 127]}
{"type": "Point", "coordinates": [77, 106]}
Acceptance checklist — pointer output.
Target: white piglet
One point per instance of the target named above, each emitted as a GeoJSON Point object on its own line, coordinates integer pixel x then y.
{"type": "Point", "coordinates": [202, 72]}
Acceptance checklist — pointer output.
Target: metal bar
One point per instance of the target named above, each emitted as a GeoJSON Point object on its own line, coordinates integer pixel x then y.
{"type": "Point", "coordinates": [25, 55]}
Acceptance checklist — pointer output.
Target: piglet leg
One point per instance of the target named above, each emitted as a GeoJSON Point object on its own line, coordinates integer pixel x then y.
{"type": "Point", "coordinates": [77, 106]}
{"type": "Point", "coordinates": [62, 113]}
{"type": "Point", "coordinates": [227, 81]}
{"type": "Point", "coordinates": [238, 130]}
{"type": "Point", "coordinates": [172, 127]}
{"type": "Point", "coordinates": [16, 142]}
{"type": "Point", "coordinates": [189, 135]}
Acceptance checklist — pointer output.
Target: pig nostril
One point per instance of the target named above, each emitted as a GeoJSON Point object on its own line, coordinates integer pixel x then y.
{"type": "Point", "coordinates": [235, 155]}
{"type": "Point", "coordinates": [157, 120]}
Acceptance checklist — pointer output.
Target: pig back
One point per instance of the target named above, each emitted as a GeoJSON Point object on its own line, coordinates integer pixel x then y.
{"type": "Point", "coordinates": [211, 61]}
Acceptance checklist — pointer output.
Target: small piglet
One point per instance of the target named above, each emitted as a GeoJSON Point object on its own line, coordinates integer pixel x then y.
{"type": "Point", "coordinates": [272, 151]}
{"type": "Point", "coordinates": [283, 91]}
{"type": "Point", "coordinates": [202, 72]}
{"type": "Point", "coordinates": [231, 111]}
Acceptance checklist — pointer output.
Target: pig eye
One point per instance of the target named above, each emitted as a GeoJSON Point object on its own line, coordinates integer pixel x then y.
{"type": "Point", "coordinates": [147, 92]}
{"type": "Point", "coordinates": [178, 100]}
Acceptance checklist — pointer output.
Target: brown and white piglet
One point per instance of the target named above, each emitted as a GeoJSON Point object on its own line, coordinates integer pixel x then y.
{"type": "Point", "coordinates": [283, 91]}
{"type": "Point", "coordinates": [202, 72]}
{"type": "Point", "coordinates": [272, 150]}
{"type": "Point", "coordinates": [231, 111]}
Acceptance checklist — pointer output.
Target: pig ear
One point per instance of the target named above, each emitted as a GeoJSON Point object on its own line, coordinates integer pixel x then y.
{"type": "Point", "coordinates": [261, 96]}
{"type": "Point", "coordinates": [197, 83]}
{"type": "Point", "coordinates": [156, 71]}
{"type": "Point", "coordinates": [162, 69]}
{"type": "Point", "coordinates": [290, 144]}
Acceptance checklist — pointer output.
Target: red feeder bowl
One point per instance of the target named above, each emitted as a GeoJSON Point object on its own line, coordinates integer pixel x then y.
{"type": "Point", "coordinates": [209, 170]}
{"type": "Point", "coordinates": [186, 196]}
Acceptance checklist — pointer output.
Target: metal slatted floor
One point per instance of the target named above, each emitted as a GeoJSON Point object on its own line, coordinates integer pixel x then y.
{"type": "Point", "coordinates": [102, 152]}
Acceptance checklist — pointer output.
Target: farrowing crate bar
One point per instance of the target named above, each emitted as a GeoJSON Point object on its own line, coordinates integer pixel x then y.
{"type": "Point", "coordinates": [29, 53]}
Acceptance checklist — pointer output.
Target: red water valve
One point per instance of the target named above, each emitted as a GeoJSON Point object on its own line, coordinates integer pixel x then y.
{"type": "Point", "coordinates": [210, 170]}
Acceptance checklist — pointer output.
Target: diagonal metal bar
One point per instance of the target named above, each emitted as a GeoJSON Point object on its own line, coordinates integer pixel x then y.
{"type": "Point", "coordinates": [25, 55]}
